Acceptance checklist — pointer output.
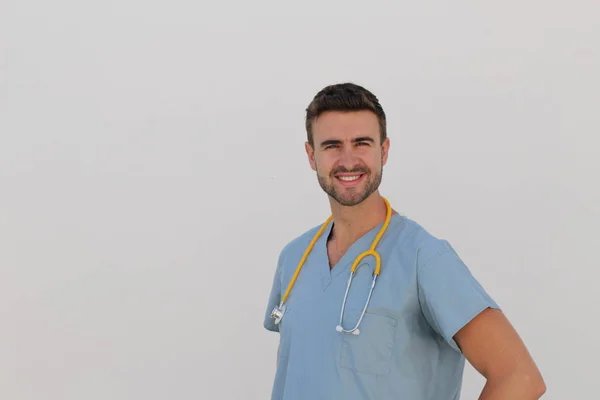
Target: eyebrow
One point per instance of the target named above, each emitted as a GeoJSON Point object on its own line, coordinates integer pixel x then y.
{"type": "Point", "coordinates": [355, 140]}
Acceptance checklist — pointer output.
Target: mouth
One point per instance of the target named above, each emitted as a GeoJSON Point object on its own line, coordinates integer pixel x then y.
{"type": "Point", "coordinates": [350, 179]}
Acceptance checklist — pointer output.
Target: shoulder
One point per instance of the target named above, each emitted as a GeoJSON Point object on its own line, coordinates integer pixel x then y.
{"type": "Point", "coordinates": [419, 240]}
{"type": "Point", "coordinates": [294, 248]}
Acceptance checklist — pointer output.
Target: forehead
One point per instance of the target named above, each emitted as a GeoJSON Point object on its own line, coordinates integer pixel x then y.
{"type": "Point", "coordinates": [345, 125]}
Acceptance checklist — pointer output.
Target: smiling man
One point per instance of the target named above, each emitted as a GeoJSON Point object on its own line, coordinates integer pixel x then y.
{"type": "Point", "coordinates": [413, 313]}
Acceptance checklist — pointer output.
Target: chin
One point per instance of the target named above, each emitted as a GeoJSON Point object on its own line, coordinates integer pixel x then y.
{"type": "Point", "coordinates": [350, 201]}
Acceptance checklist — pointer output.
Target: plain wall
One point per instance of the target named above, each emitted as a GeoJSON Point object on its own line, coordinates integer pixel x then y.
{"type": "Point", "coordinates": [152, 167]}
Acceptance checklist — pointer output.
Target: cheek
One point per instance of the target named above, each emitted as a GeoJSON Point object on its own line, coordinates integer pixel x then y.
{"type": "Point", "coordinates": [371, 158]}
{"type": "Point", "coordinates": [323, 162]}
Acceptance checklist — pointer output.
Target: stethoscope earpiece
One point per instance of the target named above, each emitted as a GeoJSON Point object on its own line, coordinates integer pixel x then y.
{"type": "Point", "coordinates": [355, 331]}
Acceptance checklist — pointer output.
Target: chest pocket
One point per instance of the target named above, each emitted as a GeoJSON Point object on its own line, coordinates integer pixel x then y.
{"type": "Point", "coordinates": [371, 351]}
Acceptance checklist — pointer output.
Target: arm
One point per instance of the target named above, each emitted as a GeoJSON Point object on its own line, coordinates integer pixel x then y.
{"type": "Point", "coordinates": [492, 346]}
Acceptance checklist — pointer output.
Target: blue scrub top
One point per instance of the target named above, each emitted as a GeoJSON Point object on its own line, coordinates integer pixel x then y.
{"type": "Point", "coordinates": [405, 349]}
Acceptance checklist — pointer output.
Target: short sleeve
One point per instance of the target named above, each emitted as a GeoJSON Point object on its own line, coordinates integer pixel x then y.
{"type": "Point", "coordinates": [449, 294]}
{"type": "Point", "coordinates": [274, 297]}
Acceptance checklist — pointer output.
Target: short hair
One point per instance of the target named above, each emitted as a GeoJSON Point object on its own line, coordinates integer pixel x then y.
{"type": "Point", "coordinates": [344, 97]}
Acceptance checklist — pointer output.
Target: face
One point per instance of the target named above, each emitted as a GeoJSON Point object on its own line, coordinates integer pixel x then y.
{"type": "Point", "coordinates": [348, 155]}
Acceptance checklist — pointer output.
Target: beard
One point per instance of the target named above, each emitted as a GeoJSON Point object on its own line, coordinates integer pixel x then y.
{"type": "Point", "coordinates": [351, 196]}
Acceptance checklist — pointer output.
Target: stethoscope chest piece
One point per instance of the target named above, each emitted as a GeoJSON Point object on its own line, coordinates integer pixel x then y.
{"type": "Point", "coordinates": [278, 312]}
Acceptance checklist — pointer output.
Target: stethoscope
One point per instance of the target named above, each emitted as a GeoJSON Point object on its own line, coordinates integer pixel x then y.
{"type": "Point", "coordinates": [279, 311]}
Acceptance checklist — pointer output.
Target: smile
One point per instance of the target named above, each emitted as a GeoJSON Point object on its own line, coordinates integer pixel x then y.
{"type": "Point", "coordinates": [350, 180]}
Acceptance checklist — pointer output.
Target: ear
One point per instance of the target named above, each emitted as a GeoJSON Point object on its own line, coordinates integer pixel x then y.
{"type": "Point", "coordinates": [385, 149]}
{"type": "Point", "coordinates": [310, 152]}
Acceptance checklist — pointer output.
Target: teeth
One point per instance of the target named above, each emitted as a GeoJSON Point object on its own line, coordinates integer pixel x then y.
{"type": "Point", "coordinates": [349, 178]}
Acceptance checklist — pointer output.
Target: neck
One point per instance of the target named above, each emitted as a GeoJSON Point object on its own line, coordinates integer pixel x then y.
{"type": "Point", "coordinates": [350, 223]}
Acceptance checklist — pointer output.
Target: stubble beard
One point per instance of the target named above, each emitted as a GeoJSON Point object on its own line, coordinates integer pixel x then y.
{"type": "Point", "coordinates": [350, 198]}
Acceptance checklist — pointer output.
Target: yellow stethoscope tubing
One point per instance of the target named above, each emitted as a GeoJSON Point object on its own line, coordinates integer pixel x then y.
{"type": "Point", "coordinates": [303, 259]}
{"type": "Point", "coordinates": [370, 252]}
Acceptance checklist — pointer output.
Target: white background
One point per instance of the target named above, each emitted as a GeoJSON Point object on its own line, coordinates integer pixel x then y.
{"type": "Point", "coordinates": [152, 166]}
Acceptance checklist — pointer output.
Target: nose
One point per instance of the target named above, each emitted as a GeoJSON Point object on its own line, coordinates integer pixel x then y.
{"type": "Point", "coordinates": [347, 157]}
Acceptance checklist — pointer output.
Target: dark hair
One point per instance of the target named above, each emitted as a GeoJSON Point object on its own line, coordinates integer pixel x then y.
{"type": "Point", "coordinates": [344, 97]}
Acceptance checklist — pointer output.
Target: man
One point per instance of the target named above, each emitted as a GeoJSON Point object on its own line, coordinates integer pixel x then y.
{"type": "Point", "coordinates": [427, 314]}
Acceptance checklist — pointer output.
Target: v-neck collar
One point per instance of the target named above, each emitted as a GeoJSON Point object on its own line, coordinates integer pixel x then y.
{"type": "Point", "coordinates": [362, 244]}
